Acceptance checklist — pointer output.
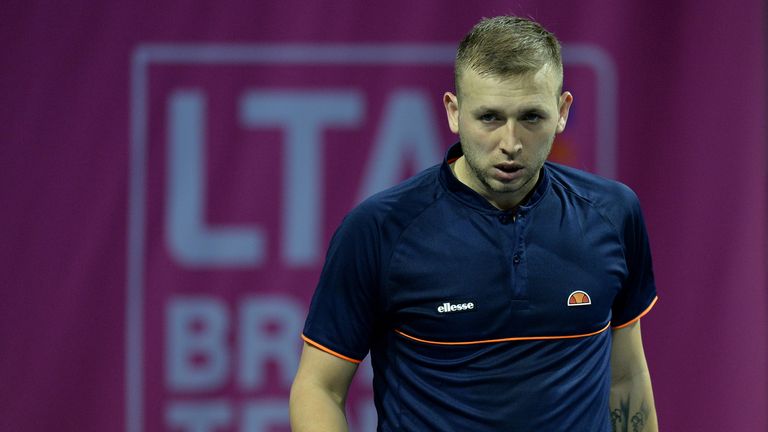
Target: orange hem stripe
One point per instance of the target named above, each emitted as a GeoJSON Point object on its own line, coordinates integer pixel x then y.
{"type": "Point", "coordinates": [329, 351]}
{"type": "Point", "coordinates": [504, 339]}
{"type": "Point", "coordinates": [642, 314]}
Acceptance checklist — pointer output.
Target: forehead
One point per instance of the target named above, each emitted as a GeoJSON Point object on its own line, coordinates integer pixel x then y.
{"type": "Point", "coordinates": [540, 87]}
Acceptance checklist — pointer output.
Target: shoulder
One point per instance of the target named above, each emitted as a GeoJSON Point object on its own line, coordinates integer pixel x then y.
{"type": "Point", "coordinates": [402, 201]}
{"type": "Point", "coordinates": [390, 211]}
{"type": "Point", "coordinates": [613, 200]}
{"type": "Point", "coordinates": [601, 192]}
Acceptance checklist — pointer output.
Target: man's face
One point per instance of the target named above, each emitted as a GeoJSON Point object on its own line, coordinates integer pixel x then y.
{"type": "Point", "coordinates": [506, 127]}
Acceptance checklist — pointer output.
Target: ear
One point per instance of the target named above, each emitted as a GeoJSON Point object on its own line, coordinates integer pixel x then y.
{"type": "Point", "coordinates": [451, 103]}
{"type": "Point", "coordinates": [566, 99]}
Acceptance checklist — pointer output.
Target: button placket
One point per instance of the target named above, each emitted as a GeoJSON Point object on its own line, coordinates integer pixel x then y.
{"type": "Point", "coordinates": [516, 256]}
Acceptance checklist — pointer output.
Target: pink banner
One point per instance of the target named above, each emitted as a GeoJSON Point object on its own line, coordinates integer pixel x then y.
{"type": "Point", "coordinates": [172, 176]}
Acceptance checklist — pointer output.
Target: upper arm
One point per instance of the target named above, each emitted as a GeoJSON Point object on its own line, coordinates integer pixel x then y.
{"type": "Point", "coordinates": [319, 370]}
{"type": "Point", "coordinates": [627, 355]}
{"type": "Point", "coordinates": [345, 306]}
{"type": "Point", "coordinates": [638, 291]}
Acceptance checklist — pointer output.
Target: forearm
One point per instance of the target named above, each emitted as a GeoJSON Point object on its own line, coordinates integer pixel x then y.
{"type": "Point", "coordinates": [314, 410]}
{"type": "Point", "coordinates": [631, 405]}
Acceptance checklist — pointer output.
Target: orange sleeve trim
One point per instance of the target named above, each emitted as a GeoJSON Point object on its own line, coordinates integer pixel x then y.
{"type": "Point", "coordinates": [648, 309]}
{"type": "Point", "coordinates": [329, 351]}
{"type": "Point", "coordinates": [503, 339]}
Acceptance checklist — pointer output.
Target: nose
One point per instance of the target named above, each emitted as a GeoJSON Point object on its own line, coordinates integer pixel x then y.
{"type": "Point", "coordinates": [510, 143]}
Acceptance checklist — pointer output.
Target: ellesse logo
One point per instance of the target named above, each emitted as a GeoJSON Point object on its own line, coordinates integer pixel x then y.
{"type": "Point", "coordinates": [579, 298]}
{"type": "Point", "coordinates": [448, 307]}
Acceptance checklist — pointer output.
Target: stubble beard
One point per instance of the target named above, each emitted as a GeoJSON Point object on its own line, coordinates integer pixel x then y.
{"type": "Point", "coordinates": [497, 188]}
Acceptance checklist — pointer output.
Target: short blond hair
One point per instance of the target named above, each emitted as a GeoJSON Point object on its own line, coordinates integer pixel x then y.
{"type": "Point", "coordinates": [507, 45]}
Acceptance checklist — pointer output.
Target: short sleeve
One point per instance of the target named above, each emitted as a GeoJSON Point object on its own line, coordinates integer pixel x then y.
{"type": "Point", "coordinates": [638, 294]}
{"type": "Point", "coordinates": [342, 312]}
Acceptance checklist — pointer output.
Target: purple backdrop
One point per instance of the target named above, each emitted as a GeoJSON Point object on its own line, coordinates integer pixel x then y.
{"type": "Point", "coordinates": [171, 175]}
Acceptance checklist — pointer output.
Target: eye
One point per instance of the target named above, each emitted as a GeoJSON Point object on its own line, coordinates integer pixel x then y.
{"type": "Point", "coordinates": [531, 117]}
{"type": "Point", "coordinates": [488, 118]}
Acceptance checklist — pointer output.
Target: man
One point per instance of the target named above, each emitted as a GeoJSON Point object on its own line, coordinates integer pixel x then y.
{"type": "Point", "coordinates": [495, 292]}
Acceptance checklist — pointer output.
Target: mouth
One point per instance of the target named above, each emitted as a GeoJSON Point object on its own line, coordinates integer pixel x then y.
{"type": "Point", "coordinates": [508, 167]}
{"type": "Point", "coordinates": [507, 172]}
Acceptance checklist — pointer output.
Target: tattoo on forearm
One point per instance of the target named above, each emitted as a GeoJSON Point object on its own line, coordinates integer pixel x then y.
{"type": "Point", "coordinates": [622, 422]}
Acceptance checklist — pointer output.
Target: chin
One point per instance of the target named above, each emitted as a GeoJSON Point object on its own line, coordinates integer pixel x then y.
{"type": "Point", "coordinates": [510, 187]}
{"type": "Point", "coordinates": [505, 190]}
{"type": "Point", "coordinates": [498, 187]}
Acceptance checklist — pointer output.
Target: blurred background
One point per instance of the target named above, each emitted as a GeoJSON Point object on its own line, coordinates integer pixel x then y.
{"type": "Point", "coordinates": [171, 173]}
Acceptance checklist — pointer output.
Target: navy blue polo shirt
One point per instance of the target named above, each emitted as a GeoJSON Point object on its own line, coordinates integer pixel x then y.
{"type": "Point", "coordinates": [479, 319]}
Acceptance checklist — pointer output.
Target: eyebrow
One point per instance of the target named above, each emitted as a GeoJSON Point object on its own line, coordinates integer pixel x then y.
{"type": "Point", "coordinates": [524, 109]}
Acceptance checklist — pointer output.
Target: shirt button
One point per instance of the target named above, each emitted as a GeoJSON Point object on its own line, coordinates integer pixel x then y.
{"type": "Point", "coordinates": [516, 259]}
{"type": "Point", "coordinates": [504, 218]}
